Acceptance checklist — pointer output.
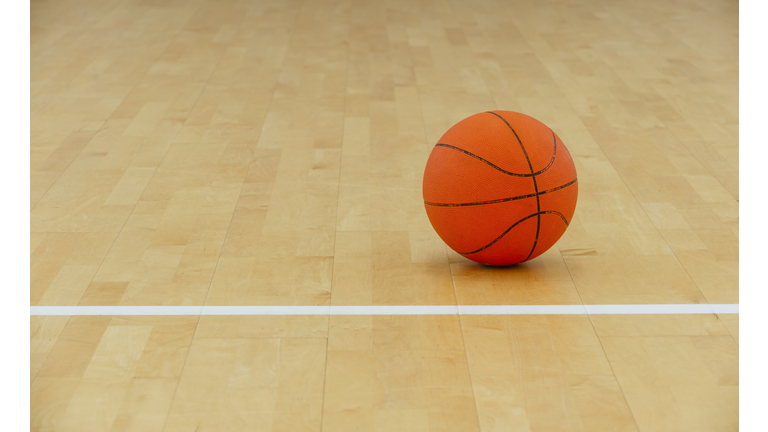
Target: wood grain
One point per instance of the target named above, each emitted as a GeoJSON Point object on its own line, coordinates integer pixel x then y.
{"type": "Point", "coordinates": [200, 152]}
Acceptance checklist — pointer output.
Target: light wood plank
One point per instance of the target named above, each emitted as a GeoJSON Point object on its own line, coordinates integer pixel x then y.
{"type": "Point", "coordinates": [542, 373]}
{"type": "Point", "coordinates": [678, 376]}
{"type": "Point", "coordinates": [406, 372]}
{"type": "Point", "coordinates": [271, 153]}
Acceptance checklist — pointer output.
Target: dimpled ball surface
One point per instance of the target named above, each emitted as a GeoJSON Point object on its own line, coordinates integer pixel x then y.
{"type": "Point", "coordinates": [500, 188]}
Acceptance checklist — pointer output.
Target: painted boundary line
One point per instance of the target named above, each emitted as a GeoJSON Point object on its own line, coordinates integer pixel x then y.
{"type": "Point", "coordinates": [392, 310]}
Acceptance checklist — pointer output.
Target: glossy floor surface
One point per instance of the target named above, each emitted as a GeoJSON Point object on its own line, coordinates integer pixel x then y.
{"type": "Point", "coordinates": [198, 152]}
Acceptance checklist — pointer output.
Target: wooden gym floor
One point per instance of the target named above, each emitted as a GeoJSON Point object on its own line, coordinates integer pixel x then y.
{"type": "Point", "coordinates": [270, 153]}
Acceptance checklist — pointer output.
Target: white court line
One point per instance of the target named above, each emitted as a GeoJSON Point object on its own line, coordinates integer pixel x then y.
{"type": "Point", "coordinates": [116, 310]}
{"type": "Point", "coordinates": [330, 310]}
{"type": "Point", "coordinates": [663, 309]}
{"type": "Point", "coordinates": [391, 310]}
{"type": "Point", "coordinates": [523, 310]}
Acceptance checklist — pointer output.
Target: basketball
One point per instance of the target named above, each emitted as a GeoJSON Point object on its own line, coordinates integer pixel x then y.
{"type": "Point", "coordinates": [500, 188]}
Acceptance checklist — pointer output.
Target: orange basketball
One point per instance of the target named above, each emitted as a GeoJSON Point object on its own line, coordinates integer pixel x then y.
{"type": "Point", "coordinates": [500, 188]}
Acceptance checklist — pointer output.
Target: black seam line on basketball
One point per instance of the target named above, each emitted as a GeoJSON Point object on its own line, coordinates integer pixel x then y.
{"type": "Point", "coordinates": [494, 166]}
{"type": "Point", "coordinates": [514, 225]}
{"type": "Point", "coordinates": [533, 177]}
{"type": "Point", "coordinates": [500, 200]}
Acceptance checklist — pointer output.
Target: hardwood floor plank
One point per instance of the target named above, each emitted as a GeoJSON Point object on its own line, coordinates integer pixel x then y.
{"type": "Point", "coordinates": [251, 153]}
